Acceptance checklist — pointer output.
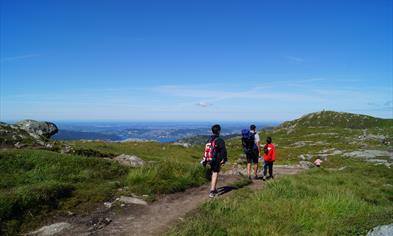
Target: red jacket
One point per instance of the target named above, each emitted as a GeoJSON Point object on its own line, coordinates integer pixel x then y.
{"type": "Point", "coordinates": [271, 153]}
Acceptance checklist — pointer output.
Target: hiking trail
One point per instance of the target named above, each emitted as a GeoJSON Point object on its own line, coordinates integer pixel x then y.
{"type": "Point", "coordinates": [164, 213]}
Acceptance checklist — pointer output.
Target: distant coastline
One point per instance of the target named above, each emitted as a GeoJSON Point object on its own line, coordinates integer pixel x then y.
{"type": "Point", "coordinates": [164, 132]}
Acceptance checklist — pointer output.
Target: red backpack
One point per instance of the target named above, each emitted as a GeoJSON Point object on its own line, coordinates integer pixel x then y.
{"type": "Point", "coordinates": [210, 151]}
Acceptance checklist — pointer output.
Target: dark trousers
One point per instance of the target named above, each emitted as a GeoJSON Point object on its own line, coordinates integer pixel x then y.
{"type": "Point", "coordinates": [268, 164]}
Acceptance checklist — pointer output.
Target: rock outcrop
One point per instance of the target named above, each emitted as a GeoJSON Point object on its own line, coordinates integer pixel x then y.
{"type": "Point", "coordinates": [40, 128]}
{"type": "Point", "coordinates": [26, 133]}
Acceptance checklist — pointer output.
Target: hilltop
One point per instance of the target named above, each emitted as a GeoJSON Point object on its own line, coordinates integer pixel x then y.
{"type": "Point", "coordinates": [338, 119]}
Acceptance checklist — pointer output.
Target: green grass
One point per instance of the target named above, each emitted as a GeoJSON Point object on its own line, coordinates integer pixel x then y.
{"type": "Point", "coordinates": [317, 202]}
{"type": "Point", "coordinates": [35, 184]}
{"type": "Point", "coordinates": [168, 177]}
{"type": "Point", "coordinates": [152, 151]}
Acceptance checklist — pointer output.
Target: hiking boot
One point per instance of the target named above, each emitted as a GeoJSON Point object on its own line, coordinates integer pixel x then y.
{"type": "Point", "coordinates": [249, 177]}
{"type": "Point", "coordinates": [256, 177]}
{"type": "Point", "coordinates": [213, 194]}
{"type": "Point", "coordinates": [264, 178]}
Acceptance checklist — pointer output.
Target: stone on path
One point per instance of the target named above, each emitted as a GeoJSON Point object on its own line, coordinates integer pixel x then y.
{"type": "Point", "coordinates": [132, 200]}
{"type": "Point", "coordinates": [50, 230]}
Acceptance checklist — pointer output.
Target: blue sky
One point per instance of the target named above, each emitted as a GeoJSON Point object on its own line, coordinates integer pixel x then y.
{"type": "Point", "coordinates": [194, 60]}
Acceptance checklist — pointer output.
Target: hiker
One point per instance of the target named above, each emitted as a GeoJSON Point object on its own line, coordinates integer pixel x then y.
{"type": "Point", "coordinates": [269, 157]}
{"type": "Point", "coordinates": [318, 162]}
{"type": "Point", "coordinates": [215, 155]}
{"type": "Point", "coordinates": [252, 149]}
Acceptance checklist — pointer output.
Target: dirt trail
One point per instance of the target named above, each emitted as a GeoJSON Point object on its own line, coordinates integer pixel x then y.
{"type": "Point", "coordinates": [159, 216]}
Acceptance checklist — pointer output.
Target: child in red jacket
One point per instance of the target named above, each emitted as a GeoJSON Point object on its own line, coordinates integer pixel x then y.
{"type": "Point", "coordinates": [269, 157]}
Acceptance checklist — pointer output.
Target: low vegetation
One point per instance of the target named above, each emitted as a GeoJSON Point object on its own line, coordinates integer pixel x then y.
{"type": "Point", "coordinates": [345, 197]}
{"type": "Point", "coordinates": [35, 184]}
{"type": "Point", "coordinates": [349, 201]}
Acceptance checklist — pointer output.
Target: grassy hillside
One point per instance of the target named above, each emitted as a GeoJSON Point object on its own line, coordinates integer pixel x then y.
{"type": "Point", "coordinates": [339, 120]}
{"type": "Point", "coordinates": [35, 184]}
{"type": "Point", "coordinates": [347, 196]}
{"type": "Point", "coordinates": [318, 202]}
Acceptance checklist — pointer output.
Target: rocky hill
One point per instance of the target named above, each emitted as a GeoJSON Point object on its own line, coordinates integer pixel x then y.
{"type": "Point", "coordinates": [26, 133]}
{"type": "Point", "coordinates": [338, 120]}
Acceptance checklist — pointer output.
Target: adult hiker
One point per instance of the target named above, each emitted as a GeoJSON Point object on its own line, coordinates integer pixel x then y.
{"type": "Point", "coordinates": [252, 149]}
{"type": "Point", "coordinates": [269, 156]}
{"type": "Point", "coordinates": [216, 156]}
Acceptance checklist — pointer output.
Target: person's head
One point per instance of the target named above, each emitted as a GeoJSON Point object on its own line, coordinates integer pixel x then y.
{"type": "Point", "coordinates": [216, 129]}
{"type": "Point", "coordinates": [253, 127]}
{"type": "Point", "coordinates": [269, 140]}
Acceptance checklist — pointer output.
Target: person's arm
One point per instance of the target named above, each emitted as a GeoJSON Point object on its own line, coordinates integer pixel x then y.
{"type": "Point", "coordinates": [223, 151]}
{"type": "Point", "coordinates": [258, 144]}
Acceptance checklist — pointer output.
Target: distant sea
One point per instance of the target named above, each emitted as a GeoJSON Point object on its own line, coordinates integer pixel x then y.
{"type": "Point", "coordinates": [153, 131]}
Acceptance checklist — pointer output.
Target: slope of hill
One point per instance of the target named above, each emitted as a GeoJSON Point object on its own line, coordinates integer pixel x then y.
{"type": "Point", "coordinates": [349, 195]}
{"type": "Point", "coordinates": [38, 185]}
{"type": "Point", "coordinates": [339, 120]}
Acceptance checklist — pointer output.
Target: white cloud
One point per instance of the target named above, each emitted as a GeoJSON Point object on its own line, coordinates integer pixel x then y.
{"type": "Point", "coordinates": [204, 104]}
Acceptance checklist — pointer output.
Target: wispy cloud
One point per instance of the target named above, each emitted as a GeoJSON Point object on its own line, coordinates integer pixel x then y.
{"type": "Point", "coordinates": [204, 104]}
{"type": "Point", "coordinates": [221, 94]}
{"type": "Point", "coordinates": [20, 57]}
{"type": "Point", "coordinates": [293, 59]}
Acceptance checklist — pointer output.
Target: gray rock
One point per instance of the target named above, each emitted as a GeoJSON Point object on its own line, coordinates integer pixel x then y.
{"type": "Point", "coordinates": [306, 164]}
{"type": "Point", "coordinates": [300, 144]}
{"type": "Point", "coordinates": [128, 160]}
{"type": "Point", "coordinates": [50, 230]}
{"type": "Point", "coordinates": [44, 129]}
{"type": "Point", "coordinates": [381, 230]}
{"type": "Point", "coordinates": [368, 154]}
{"type": "Point", "coordinates": [18, 145]}
{"type": "Point", "coordinates": [66, 149]}
{"type": "Point", "coordinates": [329, 152]}
{"type": "Point", "coordinates": [132, 200]}
{"type": "Point", "coordinates": [108, 204]}
{"type": "Point", "coordinates": [186, 145]}
{"type": "Point", "coordinates": [375, 137]}
{"type": "Point", "coordinates": [305, 157]}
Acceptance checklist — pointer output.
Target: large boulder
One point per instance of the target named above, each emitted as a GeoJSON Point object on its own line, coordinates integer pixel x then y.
{"type": "Point", "coordinates": [40, 128]}
{"type": "Point", "coordinates": [128, 160]}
